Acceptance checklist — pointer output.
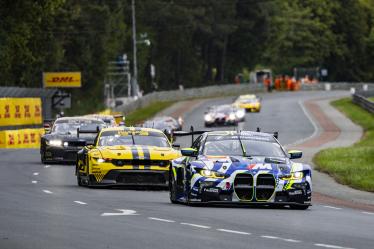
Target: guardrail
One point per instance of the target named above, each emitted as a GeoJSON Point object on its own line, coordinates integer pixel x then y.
{"type": "Point", "coordinates": [360, 98]}
{"type": "Point", "coordinates": [228, 90]}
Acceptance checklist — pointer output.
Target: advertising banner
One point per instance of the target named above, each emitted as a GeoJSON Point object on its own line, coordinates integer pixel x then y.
{"type": "Point", "coordinates": [61, 79]}
{"type": "Point", "coordinates": [21, 139]}
{"type": "Point", "coordinates": [20, 111]}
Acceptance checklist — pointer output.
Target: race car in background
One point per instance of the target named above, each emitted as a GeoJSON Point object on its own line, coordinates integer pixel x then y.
{"type": "Point", "coordinates": [240, 167]}
{"type": "Point", "coordinates": [250, 102]}
{"type": "Point", "coordinates": [66, 137]}
{"type": "Point", "coordinates": [110, 120]}
{"type": "Point", "coordinates": [165, 123]}
{"type": "Point", "coordinates": [126, 156]}
{"type": "Point", "coordinates": [221, 115]}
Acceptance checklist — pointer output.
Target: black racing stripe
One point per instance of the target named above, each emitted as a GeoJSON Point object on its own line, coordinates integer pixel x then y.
{"type": "Point", "coordinates": [135, 153]}
{"type": "Point", "coordinates": [147, 154]}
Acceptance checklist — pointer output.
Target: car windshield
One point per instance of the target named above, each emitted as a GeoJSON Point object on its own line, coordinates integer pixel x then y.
{"type": "Point", "coordinates": [71, 126]}
{"type": "Point", "coordinates": [230, 146]}
{"type": "Point", "coordinates": [113, 138]}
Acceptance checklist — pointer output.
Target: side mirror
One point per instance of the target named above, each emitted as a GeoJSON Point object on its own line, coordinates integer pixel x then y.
{"type": "Point", "coordinates": [177, 146]}
{"type": "Point", "coordinates": [188, 152]}
{"type": "Point", "coordinates": [295, 154]}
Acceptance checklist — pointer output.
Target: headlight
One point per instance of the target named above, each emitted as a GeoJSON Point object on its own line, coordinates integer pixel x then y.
{"type": "Point", "coordinates": [100, 160]}
{"type": "Point", "coordinates": [56, 143]}
{"type": "Point", "coordinates": [240, 113]}
{"type": "Point", "coordinates": [208, 118]}
{"type": "Point", "coordinates": [232, 116]}
{"type": "Point", "coordinates": [294, 176]}
{"type": "Point", "coordinates": [211, 174]}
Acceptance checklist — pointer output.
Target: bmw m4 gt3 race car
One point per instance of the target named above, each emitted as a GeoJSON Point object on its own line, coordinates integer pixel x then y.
{"type": "Point", "coordinates": [223, 115]}
{"type": "Point", "coordinates": [240, 167]}
{"type": "Point", "coordinates": [129, 156]}
{"type": "Point", "coordinates": [250, 102]}
{"type": "Point", "coordinates": [62, 142]}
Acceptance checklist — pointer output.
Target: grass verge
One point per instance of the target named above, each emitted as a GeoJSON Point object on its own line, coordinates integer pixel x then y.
{"type": "Point", "coordinates": [371, 99]}
{"type": "Point", "coordinates": [147, 112]}
{"type": "Point", "coordinates": [354, 165]}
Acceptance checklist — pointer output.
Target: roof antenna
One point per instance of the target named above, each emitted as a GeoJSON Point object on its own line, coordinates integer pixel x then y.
{"type": "Point", "coordinates": [258, 129]}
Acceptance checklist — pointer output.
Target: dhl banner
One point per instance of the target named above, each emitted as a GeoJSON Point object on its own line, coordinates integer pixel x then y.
{"type": "Point", "coordinates": [21, 139]}
{"type": "Point", "coordinates": [62, 79]}
{"type": "Point", "coordinates": [20, 111]}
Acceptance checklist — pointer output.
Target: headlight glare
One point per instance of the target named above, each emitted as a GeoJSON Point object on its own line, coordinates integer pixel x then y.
{"type": "Point", "coordinates": [56, 143]}
{"type": "Point", "coordinates": [208, 118]}
{"type": "Point", "coordinates": [211, 174]}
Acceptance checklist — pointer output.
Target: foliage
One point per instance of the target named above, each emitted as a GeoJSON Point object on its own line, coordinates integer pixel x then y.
{"type": "Point", "coordinates": [352, 165]}
{"type": "Point", "coordinates": [193, 42]}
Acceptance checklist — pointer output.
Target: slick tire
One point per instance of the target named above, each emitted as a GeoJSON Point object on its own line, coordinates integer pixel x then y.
{"type": "Point", "coordinates": [172, 190]}
{"type": "Point", "coordinates": [299, 207]}
{"type": "Point", "coordinates": [79, 181]}
{"type": "Point", "coordinates": [42, 158]}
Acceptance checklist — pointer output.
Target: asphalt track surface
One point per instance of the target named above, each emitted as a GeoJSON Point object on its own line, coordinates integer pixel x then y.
{"type": "Point", "coordinates": [42, 207]}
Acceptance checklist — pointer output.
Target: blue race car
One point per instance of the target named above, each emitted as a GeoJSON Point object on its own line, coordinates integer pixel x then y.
{"type": "Point", "coordinates": [239, 167]}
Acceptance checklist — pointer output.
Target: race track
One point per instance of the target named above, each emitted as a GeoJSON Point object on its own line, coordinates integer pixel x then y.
{"type": "Point", "coordinates": [42, 206]}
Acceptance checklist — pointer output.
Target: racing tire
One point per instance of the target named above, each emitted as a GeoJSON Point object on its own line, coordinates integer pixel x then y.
{"type": "Point", "coordinates": [42, 158]}
{"type": "Point", "coordinates": [79, 180]}
{"type": "Point", "coordinates": [172, 190]}
{"type": "Point", "coordinates": [299, 207]}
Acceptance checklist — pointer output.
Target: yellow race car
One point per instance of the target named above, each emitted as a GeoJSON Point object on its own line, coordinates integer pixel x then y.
{"type": "Point", "coordinates": [249, 102]}
{"type": "Point", "coordinates": [127, 156]}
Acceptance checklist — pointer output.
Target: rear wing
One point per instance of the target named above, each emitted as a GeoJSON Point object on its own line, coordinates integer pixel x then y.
{"type": "Point", "coordinates": [275, 133]}
{"type": "Point", "coordinates": [191, 133]}
{"type": "Point", "coordinates": [79, 131]}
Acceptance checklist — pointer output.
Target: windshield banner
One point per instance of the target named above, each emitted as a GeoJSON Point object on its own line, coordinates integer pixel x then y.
{"type": "Point", "coordinates": [20, 111]}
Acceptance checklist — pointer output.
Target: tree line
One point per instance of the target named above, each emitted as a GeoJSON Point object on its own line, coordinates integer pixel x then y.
{"type": "Point", "coordinates": [193, 42]}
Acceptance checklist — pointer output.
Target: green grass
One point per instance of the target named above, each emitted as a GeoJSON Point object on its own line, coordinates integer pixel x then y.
{"type": "Point", "coordinates": [354, 165]}
{"type": "Point", "coordinates": [147, 112]}
{"type": "Point", "coordinates": [371, 98]}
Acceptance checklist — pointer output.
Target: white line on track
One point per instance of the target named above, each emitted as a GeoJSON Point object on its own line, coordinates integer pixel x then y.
{"type": "Point", "coordinates": [368, 213]}
{"type": "Point", "coordinates": [47, 166]}
{"type": "Point", "coordinates": [47, 191]}
{"type": "Point", "coordinates": [336, 208]}
{"type": "Point", "coordinates": [34, 182]}
{"type": "Point", "coordinates": [233, 231]}
{"type": "Point", "coordinates": [159, 219]}
{"type": "Point", "coordinates": [269, 237]}
{"type": "Point", "coordinates": [80, 202]}
{"type": "Point", "coordinates": [332, 246]}
{"type": "Point", "coordinates": [35, 173]}
{"type": "Point", "coordinates": [292, 240]}
{"type": "Point", "coordinates": [315, 127]}
{"type": "Point", "coordinates": [195, 225]}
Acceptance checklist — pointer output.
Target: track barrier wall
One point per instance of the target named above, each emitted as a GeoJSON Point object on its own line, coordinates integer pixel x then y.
{"type": "Point", "coordinates": [21, 139]}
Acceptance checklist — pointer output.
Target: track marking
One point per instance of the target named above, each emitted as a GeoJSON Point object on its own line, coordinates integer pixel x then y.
{"type": "Point", "coordinates": [336, 208]}
{"type": "Point", "coordinates": [233, 231]}
{"type": "Point", "coordinates": [47, 166]}
{"type": "Point", "coordinates": [269, 237]}
{"type": "Point", "coordinates": [195, 225]}
{"type": "Point", "coordinates": [35, 173]}
{"type": "Point", "coordinates": [311, 120]}
{"type": "Point", "coordinates": [332, 246]}
{"type": "Point", "coordinates": [47, 191]}
{"type": "Point", "coordinates": [368, 213]}
{"type": "Point", "coordinates": [34, 182]}
{"type": "Point", "coordinates": [159, 219]}
{"type": "Point", "coordinates": [122, 213]}
{"type": "Point", "coordinates": [292, 240]}
{"type": "Point", "coordinates": [80, 202]}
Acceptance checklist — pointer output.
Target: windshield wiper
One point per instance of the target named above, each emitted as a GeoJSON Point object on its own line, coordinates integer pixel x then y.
{"type": "Point", "coordinates": [241, 144]}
